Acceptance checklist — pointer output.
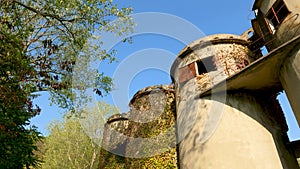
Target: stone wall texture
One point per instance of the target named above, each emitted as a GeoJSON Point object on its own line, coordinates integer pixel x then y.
{"type": "Point", "coordinates": [145, 136]}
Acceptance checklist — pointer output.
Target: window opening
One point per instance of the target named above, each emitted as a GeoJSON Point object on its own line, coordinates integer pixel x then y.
{"type": "Point", "coordinates": [206, 65]}
{"type": "Point", "coordinates": [199, 67]}
{"type": "Point", "coordinates": [271, 26]}
{"type": "Point", "coordinates": [276, 15]}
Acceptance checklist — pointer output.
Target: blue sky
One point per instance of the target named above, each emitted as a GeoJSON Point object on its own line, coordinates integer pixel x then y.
{"type": "Point", "coordinates": [211, 17]}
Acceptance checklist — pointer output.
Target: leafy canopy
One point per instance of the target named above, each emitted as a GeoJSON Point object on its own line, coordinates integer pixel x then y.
{"type": "Point", "coordinates": [39, 43]}
{"type": "Point", "coordinates": [75, 142]}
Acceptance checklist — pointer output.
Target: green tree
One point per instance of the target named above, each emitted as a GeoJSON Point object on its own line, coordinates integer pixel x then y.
{"type": "Point", "coordinates": [16, 142]}
{"type": "Point", "coordinates": [75, 141]}
{"type": "Point", "coordinates": [40, 41]}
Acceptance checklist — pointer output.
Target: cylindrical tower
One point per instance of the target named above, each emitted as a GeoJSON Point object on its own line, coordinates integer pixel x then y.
{"type": "Point", "coordinates": [228, 129]}
{"type": "Point", "coordinates": [145, 136]}
{"type": "Point", "coordinates": [112, 154]}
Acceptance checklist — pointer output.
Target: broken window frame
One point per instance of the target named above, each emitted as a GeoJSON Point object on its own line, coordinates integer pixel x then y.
{"type": "Point", "coordinates": [206, 65]}
{"type": "Point", "coordinates": [276, 15]}
{"type": "Point", "coordinates": [197, 68]}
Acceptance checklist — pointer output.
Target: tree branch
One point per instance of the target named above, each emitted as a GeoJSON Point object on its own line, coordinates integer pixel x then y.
{"type": "Point", "coordinates": [93, 159]}
{"type": "Point", "coordinates": [44, 14]}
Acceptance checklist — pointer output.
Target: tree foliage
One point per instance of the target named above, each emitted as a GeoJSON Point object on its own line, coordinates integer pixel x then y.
{"type": "Point", "coordinates": [16, 142]}
{"type": "Point", "coordinates": [52, 34]}
{"type": "Point", "coordinates": [75, 142]}
{"type": "Point", "coordinates": [39, 43]}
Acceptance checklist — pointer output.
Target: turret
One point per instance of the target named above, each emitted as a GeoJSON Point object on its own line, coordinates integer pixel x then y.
{"type": "Point", "coordinates": [222, 123]}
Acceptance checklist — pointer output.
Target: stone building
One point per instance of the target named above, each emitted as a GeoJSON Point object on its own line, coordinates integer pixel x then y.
{"type": "Point", "coordinates": [277, 26]}
{"type": "Point", "coordinates": [276, 22]}
{"type": "Point", "coordinates": [224, 121]}
{"type": "Point", "coordinates": [145, 136]}
{"type": "Point", "coordinates": [224, 98]}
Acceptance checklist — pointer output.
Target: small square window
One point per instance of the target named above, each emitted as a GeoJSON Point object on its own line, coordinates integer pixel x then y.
{"type": "Point", "coordinates": [206, 65]}
{"type": "Point", "coordinates": [199, 67]}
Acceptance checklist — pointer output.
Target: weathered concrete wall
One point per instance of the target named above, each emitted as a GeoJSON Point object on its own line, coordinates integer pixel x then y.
{"type": "Point", "coordinates": [288, 29]}
{"type": "Point", "coordinates": [145, 136]}
{"type": "Point", "coordinates": [233, 129]}
{"type": "Point", "coordinates": [247, 135]}
{"type": "Point", "coordinates": [229, 53]}
{"type": "Point", "coordinates": [290, 80]}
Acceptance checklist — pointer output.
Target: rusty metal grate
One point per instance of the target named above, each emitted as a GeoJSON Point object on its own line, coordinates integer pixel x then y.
{"type": "Point", "coordinates": [187, 72]}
